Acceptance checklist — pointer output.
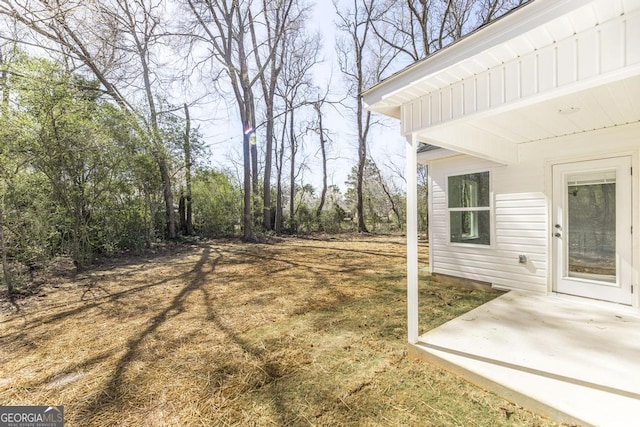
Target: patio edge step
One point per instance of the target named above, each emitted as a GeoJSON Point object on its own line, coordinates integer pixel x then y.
{"type": "Point", "coordinates": [423, 353]}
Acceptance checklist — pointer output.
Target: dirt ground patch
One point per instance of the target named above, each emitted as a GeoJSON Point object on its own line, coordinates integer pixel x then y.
{"type": "Point", "coordinates": [297, 332]}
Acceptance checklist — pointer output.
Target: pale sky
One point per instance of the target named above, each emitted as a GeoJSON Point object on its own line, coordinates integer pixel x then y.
{"type": "Point", "coordinates": [385, 145]}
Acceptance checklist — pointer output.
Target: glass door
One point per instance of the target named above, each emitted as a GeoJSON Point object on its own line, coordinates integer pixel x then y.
{"type": "Point", "coordinates": [592, 229]}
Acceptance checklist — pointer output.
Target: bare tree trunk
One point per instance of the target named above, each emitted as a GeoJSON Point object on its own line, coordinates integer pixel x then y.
{"type": "Point", "coordinates": [4, 79]}
{"type": "Point", "coordinates": [424, 180]}
{"type": "Point", "coordinates": [280, 26]}
{"type": "Point", "coordinates": [362, 156]}
{"type": "Point", "coordinates": [364, 124]}
{"type": "Point", "coordinates": [360, 67]}
{"type": "Point", "coordinates": [187, 163]}
{"type": "Point", "coordinates": [246, 104]}
{"type": "Point", "coordinates": [394, 206]}
{"type": "Point", "coordinates": [142, 46]}
{"type": "Point", "coordinates": [255, 187]}
{"type": "Point", "coordinates": [323, 150]}
{"type": "Point", "coordinates": [292, 171]}
{"type": "Point", "coordinates": [4, 113]}
{"type": "Point", "coordinates": [182, 212]}
{"type": "Point", "coordinates": [279, 168]}
{"type": "Point", "coordinates": [266, 193]}
{"type": "Point", "coordinates": [167, 192]}
{"type": "Point", "coordinates": [247, 232]}
{"type": "Point", "coordinates": [81, 248]}
{"type": "Point", "coordinates": [148, 218]}
{"type": "Point", "coordinates": [6, 274]}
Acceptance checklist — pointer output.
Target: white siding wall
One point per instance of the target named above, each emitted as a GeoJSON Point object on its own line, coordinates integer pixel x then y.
{"type": "Point", "coordinates": [521, 195]}
{"type": "Point", "coordinates": [519, 227]}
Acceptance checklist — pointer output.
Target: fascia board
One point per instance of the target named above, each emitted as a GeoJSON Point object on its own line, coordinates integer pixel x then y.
{"type": "Point", "coordinates": [520, 21]}
{"type": "Point", "coordinates": [439, 153]}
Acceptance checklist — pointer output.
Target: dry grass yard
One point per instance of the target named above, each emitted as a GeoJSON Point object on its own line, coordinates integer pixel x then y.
{"type": "Point", "coordinates": [291, 333]}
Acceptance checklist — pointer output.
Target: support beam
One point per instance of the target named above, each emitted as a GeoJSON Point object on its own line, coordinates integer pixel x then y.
{"type": "Point", "coordinates": [412, 239]}
{"type": "Point", "coordinates": [464, 138]}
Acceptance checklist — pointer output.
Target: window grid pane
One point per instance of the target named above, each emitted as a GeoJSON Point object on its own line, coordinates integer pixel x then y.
{"type": "Point", "coordinates": [469, 191]}
{"type": "Point", "coordinates": [470, 227]}
{"type": "Point", "coordinates": [469, 208]}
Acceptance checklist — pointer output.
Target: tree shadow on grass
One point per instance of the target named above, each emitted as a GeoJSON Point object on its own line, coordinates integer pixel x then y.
{"type": "Point", "coordinates": [35, 321]}
{"type": "Point", "coordinates": [110, 397]}
{"type": "Point", "coordinates": [11, 298]}
{"type": "Point", "coordinates": [271, 370]}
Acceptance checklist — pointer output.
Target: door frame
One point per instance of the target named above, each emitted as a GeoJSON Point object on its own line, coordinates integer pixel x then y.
{"type": "Point", "coordinates": [635, 218]}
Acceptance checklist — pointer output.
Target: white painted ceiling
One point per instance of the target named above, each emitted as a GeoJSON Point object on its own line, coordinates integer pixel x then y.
{"type": "Point", "coordinates": [608, 105]}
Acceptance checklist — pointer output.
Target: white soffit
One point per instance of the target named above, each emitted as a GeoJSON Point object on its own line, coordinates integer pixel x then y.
{"type": "Point", "coordinates": [533, 26]}
{"type": "Point", "coordinates": [603, 106]}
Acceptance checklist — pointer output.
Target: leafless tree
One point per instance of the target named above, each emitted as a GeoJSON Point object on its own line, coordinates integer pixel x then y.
{"type": "Point", "coordinates": [418, 28]}
{"type": "Point", "coordinates": [4, 110]}
{"type": "Point", "coordinates": [492, 9]}
{"type": "Point", "coordinates": [279, 163]}
{"type": "Point", "coordinates": [230, 30]}
{"type": "Point", "coordinates": [283, 19]}
{"type": "Point", "coordinates": [363, 60]}
{"type": "Point", "coordinates": [117, 42]}
{"type": "Point", "coordinates": [295, 90]}
{"type": "Point", "coordinates": [186, 215]}
{"type": "Point", "coordinates": [423, 197]}
{"type": "Point", "coordinates": [324, 139]}
{"type": "Point", "coordinates": [415, 29]}
{"type": "Point", "coordinates": [323, 150]}
{"type": "Point", "coordinates": [223, 27]}
{"type": "Point", "coordinates": [6, 275]}
{"type": "Point", "coordinates": [390, 193]}
{"type": "Point", "coordinates": [139, 20]}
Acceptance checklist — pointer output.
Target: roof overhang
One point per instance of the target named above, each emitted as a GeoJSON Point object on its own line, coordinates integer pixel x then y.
{"type": "Point", "coordinates": [436, 154]}
{"type": "Point", "coordinates": [547, 69]}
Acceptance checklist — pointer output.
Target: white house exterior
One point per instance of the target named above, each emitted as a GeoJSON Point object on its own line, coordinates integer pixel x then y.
{"type": "Point", "coordinates": [533, 124]}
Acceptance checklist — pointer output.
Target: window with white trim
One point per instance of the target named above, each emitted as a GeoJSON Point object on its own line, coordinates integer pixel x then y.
{"type": "Point", "coordinates": [469, 203]}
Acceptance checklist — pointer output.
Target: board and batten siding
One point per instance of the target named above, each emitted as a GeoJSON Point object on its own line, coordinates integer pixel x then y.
{"type": "Point", "coordinates": [519, 228]}
{"type": "Point", "coordinates": [587, 56]}
{"type": "Point", "coordinates": [521, 195]}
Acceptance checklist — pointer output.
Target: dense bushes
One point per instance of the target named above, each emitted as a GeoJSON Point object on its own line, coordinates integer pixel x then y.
{"type": "Point", "coordinates": [79, 177]}
{"type": "Point", "coordinates": [217, 204]}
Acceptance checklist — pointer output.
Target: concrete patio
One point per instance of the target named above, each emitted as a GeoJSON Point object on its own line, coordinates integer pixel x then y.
{"type": "Point", "coordinates": [573, 360]}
